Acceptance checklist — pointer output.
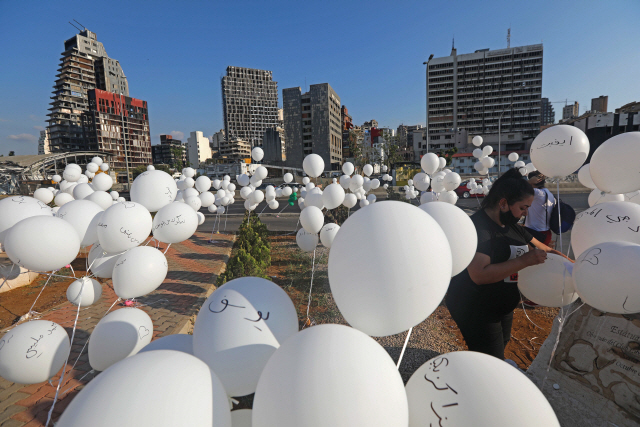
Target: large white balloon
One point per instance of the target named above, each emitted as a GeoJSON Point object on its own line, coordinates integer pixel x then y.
{"type": "Point", "coordinates": [422, 181]}
{"type": "Point", "coordinates": [287, 191]}
{"type": "Point", "coordinates": [596, 196]}
{"type": "Point", "coordinates": [333, 196]}
{"type": "Point", "coordinates": [477, 153]}
{"type": "Point", "coordinates": [606, 278]}
{"type": "Point", "coordinates": [14, 209]}
{"type": "Point", "coordinates": [606, 222]}
{"type": "Point", "coordinates": [97, 160]}
{"type": "Point", "coordinates": [175, 223]}
{"type": "Point", "coordinates": [232, 337]}
{"type": "Point", "coordinates": [548, 284]}
{"type": "Point", "coordinates": [101, 263]}
{"type": "Point", "coordinates": [270, 299]}
{"type": "Point", "coordinates": [356, 182]}
{"type": "Point", "coordinates": [430, 163]}
{"type": "Point", "coordinates": [84, 216]}
{"type": "Point", "coordinates": [33, 352]}
{"type": "Point", "coordinates": [257, 154]}
{"type": "Point", "coordinates": [92, 167]}
{"type": "Point", "coordinates": [118, 335]}
{"type": "Point", "coordinates": [387, 298]}
{"type": "Point", "coordinates": [139, 271]}
{"type": "Point", "coordinates": [71, 174]}
{"type": "Point", "coordinates": [82, 191]}
{"type": "Point", "coordinates": [350, 200]}
{"type": "Point", "coordinates": [153, 190]}
{"type": "Point", "coordinates": [584, 176]}
{"type": "Point", "coordinates": [488, 162]}
{"type": "Point", "coordinates": [314, 199]}
{"type": "Point", "coordinates": [460, 231]}
{"type": "Point", "coordinates": [207, 199]}
{"type": "Point", "coordinates": [155, 388]}
{"type": "Point", "coordinates": [100, 198]}
{"type": "Point", "coordinates": [448, 197]}
{"type": "Point", "coordinates": [328, 234]}
{"type": "Point", "coordinates": [367, 169]}
{"type": "Point", "coordinates": [477, 140]}
{"type": "Point", "coordinates": [560, 150]}
{"type": "Point", "coordinates": [287, 177]}
{"type": "Point", "coordinates": [451, 389]}
{"type": "Point", "coordinates": [313, 165]}
{"type": "Point", "coordinates": [305, 240]}
{"type": "Point", "coordinates": [337, 362]}
{"type": "Point", "coordinates": [451, 181]}
{"type": "Point", "coordinates": [203, 183]}
{"type": "Point", "coordinates": [61, 198]}
{"type": "Point", "coordinates": [42, 243]}
{"type": "Point", "coordinates": [513, 157]}
{"type": "Point", "coordinates": [189, 172]}
{"type": "Point", "coordinates": [311, 219]}
{"type": "Point", "coordinates": [43, 194]}
{"type": "Point", "coordinates": [487, 150]}
{"type": "Point", "coordinates": [256, 197]}
{"type": "Point", "coordinates": [102, 182]}
{"type": "Point", "coordinates": [124, 226]}
{"type": "Point", "coordinates": [84, 292]}
{"type": "Point", "coordinates": [614, 164]}
{"type": "Point", "coordinates": [348, 168]}
{"type": "Point", "coordinates": [345, 180]}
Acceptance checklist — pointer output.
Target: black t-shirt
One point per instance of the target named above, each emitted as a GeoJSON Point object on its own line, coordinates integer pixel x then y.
{"type": "Point", "coordinates": [494, 300]}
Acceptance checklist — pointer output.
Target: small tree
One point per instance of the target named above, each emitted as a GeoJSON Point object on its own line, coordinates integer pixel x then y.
{"type": "Point", "coordinates": [137, 171]}
{"type": "Point", "coordinates": [177, 155]}
{"type": "Point", "coordinates": [12, 153]}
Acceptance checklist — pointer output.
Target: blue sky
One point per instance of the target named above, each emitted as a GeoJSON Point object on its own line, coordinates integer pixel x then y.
{"type": "Point", "coordinates": [371, 52]}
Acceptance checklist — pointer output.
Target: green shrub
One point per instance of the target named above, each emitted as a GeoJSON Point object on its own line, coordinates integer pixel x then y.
{"type": "Point", "coordinates": [336, 216]}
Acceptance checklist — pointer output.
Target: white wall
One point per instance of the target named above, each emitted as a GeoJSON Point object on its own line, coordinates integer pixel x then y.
{"type": "Point", "coordinates": [198, 149]}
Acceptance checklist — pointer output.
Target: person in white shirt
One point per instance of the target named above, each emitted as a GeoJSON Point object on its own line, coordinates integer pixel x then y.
{"type": "Point", "coordinates": [537, 220]}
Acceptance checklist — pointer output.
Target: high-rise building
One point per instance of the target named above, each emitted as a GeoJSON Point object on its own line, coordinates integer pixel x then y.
{"type": "Point", "coordinates": [216, 141]}
{"type": "Point", "coordinates": [171, 152]}
{"type": "Point", "coordinates": [312, 124]}
{"type": "Point", "coordinates": [475, 91]}
{"type": "Point", "coordinates": [599, 104]}
{"type": "Point", "coordinates": [273, 144]}
{"type": "Point", "coordinates": [570, 111]}
{"type": "Point", "coordinates": [84, 66]}
{"type": "Point", "coordinates": [548, 114]}
{"type": "Point", "coordinates": [249, 103]}
{"type": "Point", "coordinates": [43, 142]}
{"type": "Point", "coordinates": [198, 149]}
{"type": "Point", "coordinates": [347, 125]}
{"type": "Point", "coordinates": [236, 150]}
{"type": "Point", "coordinates": [370, 124]}
{"type": "Point", "coordinates": [119, 125]}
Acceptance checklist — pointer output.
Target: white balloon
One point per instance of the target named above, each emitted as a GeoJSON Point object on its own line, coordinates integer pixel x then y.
{"type": "Point", "coordinates": [614, 164]}
{"type": "Point", "coordinates": [256, 197]}
{"type": "Point", "coordinates": [310, 186]}
{"type": "Point", "coordinates": [194, 202]}
{"type": "Point", "coordinates": [596, 196]}
{"type": "Point", "coordinates": [33, 352]}
{"type": "Point", "coordinates": [221, 209]}
{"type": "Point", "coordinates": [243, 180]}
{"type": "Point", "coordinates": [427, 197]}
{"type": "Point", "coordinates": [139, 271]}
{"type": "Point", "coordinates": [305, 180]}
{"type": "Point", "coordinates": [519, 164]}
{"type": "Point", "coordinates": [477, 153]}
{"type": "Point", "coordinates": [153, 190]}
{"type": "Point", "coordinates": [100, 198]}
{"type": "Point", "coordinates": [206, 199]}
{"type": "Point", "coordinates": [97, 160]}
{"type": "Point", "coordinates": [451, 181]}
{"type": "Point", "coordinates": [375, 183]}
{"type": "Point", "coordinates": [477, 140]}
{"type": "Point", "coordinates": [313, 165]}
{"type": "Point", "coordinates": [44, 195]}
{"type": "Point", "coordinates": [287, 177]}
{"type": "Point", "coordinates": [189, 172]}
{"type": "Point", "coordinates": [430, 163]}
{"type": "Point", "coordinates": [14, 209]}
{"type": "Point", "coordinates": [102, 182]}
{"type": "Point", "coordinates": [348, 168]}
{"type": "Point", "coordinates": [216, 183]}
{"type": "Point", "coordinates": [559, 150]}
{"type": "Point", "coordinates": [487, 150]}
{"type": "Point", "coordinates": [203, 183]}
{"type": "Point", "coordinates": [598, 265]}
{"type": "Point", "coordinates": [118, 335]}
{"type": "Point", "coordinates": [452, 388]}
{"type": "Point", "coordinates": [104, 167]}
{"type": "Point", "coordinates": [101, 263]}
{"type": "Point", "coordinates": [342, 359]}
{"type": "Point", "coordinates": [151, 168]}
{"type": "Point", "coordinates": [350, 200]}
{"type": "Point", "coordinates": [328, 233]}
{"type": "Point", "coordinates": [305, 240]}
{"type": "Point", "coordinates": [84, 216]}
{"type": "Point", "coordinates": [189, 182]}
{"type": "Point", "coordinates": [605, 222]}
{"type": "Point", "coordinates": [437, 183]}
{"type": "Point", "coordinates": [257, 154]}
{"type": "Point", "coordinates": [584, 176]}
{"type": "Point", "coordinates": [364, 202]}
{"type": "Point", "coordinates": [84, 292]}
{"type": "Point", "coordinates": [212, 208]}
{"type": "Point", "coordinates": [56, 178]}
{"type": "Point", "coordinates": [114, 195]}
{"type": "Point", "coordinates": [314, 199]}
{"type": "Point", "coordinates": [247, 205]}
{"type": "Point", "coordinates": [231, 188]}
{"type": "Point", "coordinates": [460, 231]}
{"type": "Point", "coordinates": [513, 157]}
{"type": "Point", "coordinates": [124, 226]}
{"type": "Point", "coordinates": [241, 418]}
{"type": "Point", "coordinates": [261, 173]}
{"type": "Point", "coordinates": [232, 337]}
{"type": "Point", "coordinates": [366, 186]}
{"type": "Point", "coordinates": [287, 191]}
{"type": "Point", "coordinates": [245, 192]}
{"type": "Point", "coordinates": [356, 182]}
{"type": "Point", "coordinates": [176, 342]}
{"type": "Point", "coordinates": [185, 393]}
{"type": "Point", "coordinates": [421, 181]}
{"type": "Point", "coordinates": [273, 205]}
{"type": "Point", "coordinates": [311, 219]}
{"type": "Point", "coordinates": [92, 167]}
{"type": "Point", "coordinates": [83, 179]}
{"type": "Point", "coordinates": [487, 162]}
{"type": "Point", "coordinates": [71, 174]}
{"type": "Point", "coordinates": [42, 243]}
{"type": "Point", "coordinates": [371, 198]}
{"type": "Point", "coordinates": [62, 198]}
{"type": "Point", "coordinates": [367, 170]}
{"type": "Point", "coordinates": [255, 182]}
{"type": "Point", "coordinates": [361, 288]}
{"type": "Point", "coordinates": [548, 284]}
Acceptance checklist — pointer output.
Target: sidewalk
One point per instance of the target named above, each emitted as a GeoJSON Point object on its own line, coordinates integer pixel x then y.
{"type": "Point", "coordinates": [193, 269]}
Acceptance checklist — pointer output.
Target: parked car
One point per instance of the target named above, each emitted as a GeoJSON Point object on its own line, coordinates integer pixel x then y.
{"type": "Point", "coordinates": [465, 192]}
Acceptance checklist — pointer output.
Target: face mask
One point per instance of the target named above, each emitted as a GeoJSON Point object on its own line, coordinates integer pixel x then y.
{"type": "Point", "coordinates": [507, 218]}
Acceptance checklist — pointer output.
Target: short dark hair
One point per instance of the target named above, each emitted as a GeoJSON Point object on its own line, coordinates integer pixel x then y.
{"type": "Point", "coordinates": [511, 186]}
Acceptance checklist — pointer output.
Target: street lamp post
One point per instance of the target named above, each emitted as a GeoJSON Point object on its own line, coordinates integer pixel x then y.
{"type": "Point", "coordinates": [499, 139]}
{"type": "Point", "coordinates": [427, 96]}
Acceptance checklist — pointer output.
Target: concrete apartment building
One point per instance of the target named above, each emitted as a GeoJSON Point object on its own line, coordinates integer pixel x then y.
{"type": "Point", "coordinates": [473, 91]}
{"type": "Point", "coordinates": [347, 125]}
{"type": "Point", "coordinates": [119, 125]}
{"type": "Point", "coordinates": [571, 111]}
{"type": "Point", "coordinates": [548, 114]}
{"type": "Point", "coordinates": [84, 66]}
{"type": "Point", "coordinates": [274, 147]}
{"type": "Point", "coordinates": [171, 152]}
{"type": "Point", "coordinates": [198, 149]}
{"type": "Point", "coordinates": [235, 150]}
{"type": "Point", "coordinates": [44, 142]}
{"type": "Point", "coordinates": [313, 124]}
{"type": "Point", "coordinates": [599, 104]}
{"type": "Point", "coordinates": [249, 103]}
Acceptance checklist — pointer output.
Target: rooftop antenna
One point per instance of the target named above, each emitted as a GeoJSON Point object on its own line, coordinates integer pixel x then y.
{"type": "Point", "coordinates": [509, 38]}
{"type": "Point", "coordinates": [74, 26]}
{"type": "Point", "coordinates": [453, 42]}
{"type": "Point", "coordinates": [81, 25]}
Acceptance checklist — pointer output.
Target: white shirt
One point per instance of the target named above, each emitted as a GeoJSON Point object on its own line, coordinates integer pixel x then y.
{"type": "Point", "coordinates": [540, 212]}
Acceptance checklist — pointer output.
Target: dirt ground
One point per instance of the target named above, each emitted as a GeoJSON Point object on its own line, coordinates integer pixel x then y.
{"type": "Point", "coordinates": [16, 302]}
{"type": "Point", "coordinates": [291, 269]}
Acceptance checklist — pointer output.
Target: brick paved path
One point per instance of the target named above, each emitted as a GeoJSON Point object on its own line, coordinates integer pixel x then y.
{"type": "Point", "coordinates": [193, 269]}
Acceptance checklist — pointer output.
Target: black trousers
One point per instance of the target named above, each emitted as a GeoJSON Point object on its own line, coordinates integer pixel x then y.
{"type": "Point", "coordinates": [484, 336]}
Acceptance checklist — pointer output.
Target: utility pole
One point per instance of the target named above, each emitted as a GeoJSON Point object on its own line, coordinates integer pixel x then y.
{"type": "Point", "coordinates": [427, 96]}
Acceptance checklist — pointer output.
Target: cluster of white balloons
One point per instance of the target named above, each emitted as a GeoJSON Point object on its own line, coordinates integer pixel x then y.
{"type": "Point", "coordinates": [524, 169]}
{"type": "Point", "coordinates": [196, 192]}
{"type": "Point", "coordinates": [443, 181]}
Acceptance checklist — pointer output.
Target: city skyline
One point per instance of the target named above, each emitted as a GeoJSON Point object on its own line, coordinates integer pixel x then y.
{"type": "Point", "coordinates": [379, 73]}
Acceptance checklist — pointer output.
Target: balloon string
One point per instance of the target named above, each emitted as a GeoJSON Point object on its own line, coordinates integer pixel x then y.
{"type": "Point", "coordinates": [404, 347]}
{"type": "Point", "coordinates": [226, 213]}
{"type": "Point", "coordinates": [64, 367]}
{"type": "Point", "coordinates": [80, 379]}
{"type": "Point", "coordinates": [313, 267]}
{"type": "Point", "coordinates": [165, 251]}
{"type": "Point", "coordinates": [285, 207]}
{"type": "Point", "coordinates": [559, 218]}
{"type": "Point", "coordinates": [34, 303]}
{"type": "Point", "coordinates": [114, 303]}
{"type": "Point", "coordinates": [214, 227]}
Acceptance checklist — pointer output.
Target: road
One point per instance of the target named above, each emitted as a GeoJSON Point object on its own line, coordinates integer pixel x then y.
{"type": "Point", "coordinates": [283, 220]}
